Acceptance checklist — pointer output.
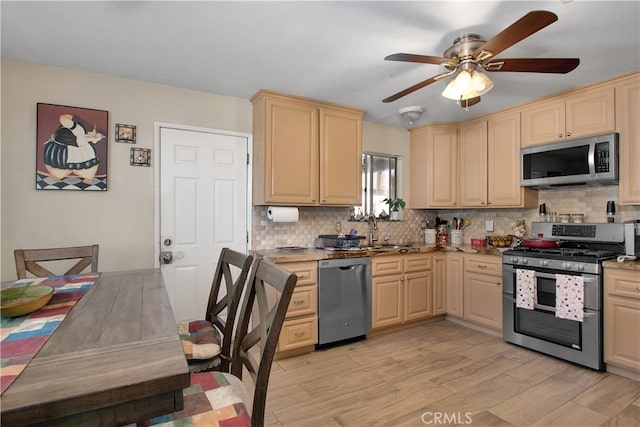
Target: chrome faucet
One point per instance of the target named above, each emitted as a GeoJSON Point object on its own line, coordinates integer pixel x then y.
{"type": "Point", "coordinates": [373, 225]}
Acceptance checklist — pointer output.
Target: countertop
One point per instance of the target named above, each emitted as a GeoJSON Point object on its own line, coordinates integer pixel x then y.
{"type": "Point", "coordinates": [311, 254]}
{"type": "Point", "coordinates": [627, 265]}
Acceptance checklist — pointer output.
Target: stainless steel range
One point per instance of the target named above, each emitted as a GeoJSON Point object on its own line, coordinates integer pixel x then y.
{"type": "Point", "coordinates": [578, 256]}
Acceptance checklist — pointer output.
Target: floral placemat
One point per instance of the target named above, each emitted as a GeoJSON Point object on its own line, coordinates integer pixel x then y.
{"type": "Point", "coordinates": [22, 337]}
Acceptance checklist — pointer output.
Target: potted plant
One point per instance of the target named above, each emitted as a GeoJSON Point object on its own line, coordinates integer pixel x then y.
{"type": "Point", "coordinates": [394, 206]}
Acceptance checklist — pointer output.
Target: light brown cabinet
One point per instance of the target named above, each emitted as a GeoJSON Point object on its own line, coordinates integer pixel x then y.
{"type": "Point", "coordinates": [483, 290]}
{"type": "Point", "coordinates": [455, 284]}
{"type": "Point", "coordinates": [622, 318]}
{"type": "Point", "coordinates": [439, 284]}
{"type": "Point", "coordinates": [305, 152]}
{"type": "Point", "coordinates": [627, 93]}
{"type": "Point", "coordinates": [434, 166]}
{"type": "Point", "coordinates": [472, 157]}
{"type": "Point", "coordinates": [476, 164]}
{"type": "Point", "coordinates": [583, 113]}
{"type": "Point", "coordinates": [503, 163]}
{"type": "Point", "coordinates": [300, 327]}
{"type": "Point", "coordinates": [402, 289]}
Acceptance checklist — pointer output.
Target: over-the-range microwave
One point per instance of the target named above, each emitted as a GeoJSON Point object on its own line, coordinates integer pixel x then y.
{"type": "Point", "coordinates": [580, 162]}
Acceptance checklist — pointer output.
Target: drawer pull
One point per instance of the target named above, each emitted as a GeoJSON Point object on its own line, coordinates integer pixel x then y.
{"type": "Point", "coordinates": [298, 301]}
{"type": "Point", "coordinates": [482, 266]}
{"type": "Point", "coordinates": [298, 334]}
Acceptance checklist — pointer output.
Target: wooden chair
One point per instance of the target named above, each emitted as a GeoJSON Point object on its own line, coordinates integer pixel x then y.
{"type": "Point", "coordinates": [217, 396]}
{"type": "Point", "coordinates": [209, 329]}
{"type": "Point", "coordinates": [27, 260]}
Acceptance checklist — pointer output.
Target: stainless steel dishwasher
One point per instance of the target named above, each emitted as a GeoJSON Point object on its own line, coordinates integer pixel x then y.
{"type": "Point", "coordinates": [344, 299]}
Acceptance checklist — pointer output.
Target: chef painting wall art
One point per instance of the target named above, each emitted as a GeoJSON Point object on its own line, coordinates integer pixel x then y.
{"type": "Point", "coordinates": [71, 149]}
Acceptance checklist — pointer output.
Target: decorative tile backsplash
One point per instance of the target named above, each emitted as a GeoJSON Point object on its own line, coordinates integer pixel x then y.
{"type": "Point", "coordinates": [313, 221]}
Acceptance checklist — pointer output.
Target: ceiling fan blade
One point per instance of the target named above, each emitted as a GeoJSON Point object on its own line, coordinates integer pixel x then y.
{"type": "Point", "coordinates": [529, 24]}
{"type": "Point", "coordinates": [466, 103]}
{"type": "Point", "coordinates": [423, 59]}
{"type": "Point", "coordinates": [534, 65]}
{"type": "Point", "coordinates": [416, 86]}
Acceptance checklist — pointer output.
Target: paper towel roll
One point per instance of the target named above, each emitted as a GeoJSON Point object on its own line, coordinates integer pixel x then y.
{"type": "Point", "coordinates": [282, 214]}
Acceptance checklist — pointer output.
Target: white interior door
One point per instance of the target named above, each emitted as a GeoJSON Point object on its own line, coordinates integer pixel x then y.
{"type": "Point", "coordinates": [203, 208]}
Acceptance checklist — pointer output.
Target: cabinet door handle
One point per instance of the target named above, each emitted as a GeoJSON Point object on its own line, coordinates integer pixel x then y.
{"type": "Point", "coordinates": [638, 288]}
{"type": "Point", "coordinates": [568, 134]}
{"type": "Point", "coordinates": [559, 135]}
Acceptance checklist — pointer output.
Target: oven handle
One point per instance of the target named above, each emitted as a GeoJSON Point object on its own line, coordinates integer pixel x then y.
{"type": "Point", "coordinates": [587, 312]}
{"type": "Point", "coordinates": [586, 278]}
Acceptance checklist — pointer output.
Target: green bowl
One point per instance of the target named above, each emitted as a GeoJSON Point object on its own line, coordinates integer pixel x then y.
{"type": "Point", "coordinates": [23, 300]}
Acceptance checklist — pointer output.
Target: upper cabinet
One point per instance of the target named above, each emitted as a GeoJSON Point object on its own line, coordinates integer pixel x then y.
{"type": "Point", "coordinates": [472, 156]}
{"type": "Point", "coordinates": [473, 164]}
{"type": "Point", "coordinates": [305, 152]}
{"type": "Point", "coordinates": [628, 125]}
{"type": "Point", "coordinates": [433, 163]}
{"type": "Point", "coordinates": [503, 163]}
{"type": "Point", "coordinates": [584, 113]}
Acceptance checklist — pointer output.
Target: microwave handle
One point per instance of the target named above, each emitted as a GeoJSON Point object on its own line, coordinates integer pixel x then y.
{"type": "Point", "coordinates": [592, 159]}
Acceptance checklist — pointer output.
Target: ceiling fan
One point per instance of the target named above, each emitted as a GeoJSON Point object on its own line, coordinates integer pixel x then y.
{"type": "Point", "coordinates": [470, 53]}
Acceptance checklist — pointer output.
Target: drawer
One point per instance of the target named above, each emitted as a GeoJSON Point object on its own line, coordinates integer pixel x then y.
{"type": "Point", "coordinates": [298, 333]}
{"type": "Point", "coordinates": [386, 264]}
{"type": "Point", "coordinates": [417, 262]}
{"type": "Point", "coordinates": [306, 271]}
{"type": "Point", "coordinates": [625, 283]}
{"type": "Point", "coordinates": [483, 264]}
{"type": "Point", "coordinates": [304, 301]}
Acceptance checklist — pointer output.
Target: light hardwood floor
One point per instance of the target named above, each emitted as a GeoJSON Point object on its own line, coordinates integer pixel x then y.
{"type": "Point", "coordinates": [444, 373]}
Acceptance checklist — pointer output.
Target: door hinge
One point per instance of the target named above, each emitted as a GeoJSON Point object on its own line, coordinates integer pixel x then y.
{"type": "Point", "coordinates": [248, 159]}
{"type": "Point", "coordinates": [247, 237]}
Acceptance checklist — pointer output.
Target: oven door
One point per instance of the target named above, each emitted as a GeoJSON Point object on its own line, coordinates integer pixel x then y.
{"type": "Point", "coordinates": [539, 329]}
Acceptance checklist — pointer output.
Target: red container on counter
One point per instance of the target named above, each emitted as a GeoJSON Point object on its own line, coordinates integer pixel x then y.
{"type": "Point", "coordinates": [478, 243]}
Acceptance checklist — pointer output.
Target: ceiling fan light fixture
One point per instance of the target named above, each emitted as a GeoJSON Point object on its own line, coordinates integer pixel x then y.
{"type": "Point", "coordinates": [481, 83]}
{"type": "Point", "coordinates": [411, 114]}
{"type": "Point", "coordinates": [467, 85]}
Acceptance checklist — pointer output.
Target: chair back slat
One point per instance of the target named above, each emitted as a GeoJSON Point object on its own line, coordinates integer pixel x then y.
{"type": "Point", "coordinates": [267, 283]}
{"type": "Point", "coordinates": [27, 260]}
{"type": "Point", "coordinates": [230, 262]}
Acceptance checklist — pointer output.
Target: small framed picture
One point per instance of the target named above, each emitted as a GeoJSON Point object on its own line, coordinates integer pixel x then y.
{"type": "Point", "coordinates": [140, 156]}
{"type": "Point", "coordinates": [126, 133]}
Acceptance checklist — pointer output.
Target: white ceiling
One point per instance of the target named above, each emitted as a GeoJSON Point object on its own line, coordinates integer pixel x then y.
{"type": "Point", "coordinates": [331, 51]}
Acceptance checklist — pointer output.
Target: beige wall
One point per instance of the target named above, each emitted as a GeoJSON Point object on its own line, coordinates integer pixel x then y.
{"type": "Point", "coordinates": [120, 220]}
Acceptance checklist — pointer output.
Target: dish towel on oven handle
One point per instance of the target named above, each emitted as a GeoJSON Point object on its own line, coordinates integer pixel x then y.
{"type": "Point", "coordinates": [569, 297]}
{"type": "Point", "coordinates": [526, 293]}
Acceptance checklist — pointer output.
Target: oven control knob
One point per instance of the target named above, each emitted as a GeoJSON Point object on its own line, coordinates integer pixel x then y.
{"type": "Point", "coordinates": [524, 261]}
{"type": "Point", "coordinates": [514, 260]}
{"type": "Point", "coordinates": [580, 267]}
{"type": "Point", "coordinates": [544, 263]}
{"type": "Point", "coordinates": [566, 265]}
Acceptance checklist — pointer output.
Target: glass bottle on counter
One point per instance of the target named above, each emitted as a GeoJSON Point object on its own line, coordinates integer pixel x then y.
{"type": "Point", "coordinates": [442, 236]}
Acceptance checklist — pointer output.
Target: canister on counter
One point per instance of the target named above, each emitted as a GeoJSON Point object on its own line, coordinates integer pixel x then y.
{"type": "Point", "coordinates": [443, 235]}
{"type": "Point", "coordinates": [430, 236]}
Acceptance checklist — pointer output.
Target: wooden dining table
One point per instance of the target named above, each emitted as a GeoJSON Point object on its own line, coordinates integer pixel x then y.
{"type": "Point", "coordinates": [115, 359]}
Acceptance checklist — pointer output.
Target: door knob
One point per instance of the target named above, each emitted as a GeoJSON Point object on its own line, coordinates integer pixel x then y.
{"type": "Point", "coordinates": [166, 257]}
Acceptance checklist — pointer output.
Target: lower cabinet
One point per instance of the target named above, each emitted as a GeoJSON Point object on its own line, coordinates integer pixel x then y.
{"type": "Point", "coordinates": [622, 318]}
{"type": "Point", "coordinates": [455, 284]}
{"type": "Point", "coordinates": [439, 284]}
{"type": "Point", "coordinates": [483, 290]}
{"type": "Point", "coordinates": [402, 289]}
{"type": "Point", "coordinates": [474, 288]}
{"type": "Point", "coordinates": [300, 327]}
